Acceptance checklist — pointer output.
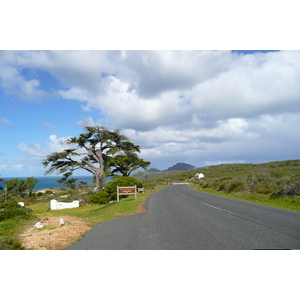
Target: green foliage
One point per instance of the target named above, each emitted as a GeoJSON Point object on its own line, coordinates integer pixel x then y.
{"type": "Point", "coordinates": [222, 187]}
{"type": "Point", "coordinates": [264, 189]}
{"type": "Point", "coordinates": [10, 243]}
{"type": "Point", "coordinates": [110, 192]}
{"type": "Point", "coordinates": [273, 179]}
{"type": "Point", "coordinates": [15, 188]}
{"type": "Point", "coordinates": [225, 178]}
{"type": "Point", "coordinates": [111, 187]}
{"type": "Point", "coordinates": [67, 182]}
{"type": "Point", "coordinates": [125, 164]}
{"type": "Point", "coordinates": [12, 210]}
{"type": "Point", "coordinates": [289, 188]}
{"type": "Point", "coordinates": [101, 197]}
{"type": "Point", "coordinates": [100, 147]}
{"type": "Point", "coordinates": [276, 173]}
{"type": "Point", "coordinates": [235, 187]}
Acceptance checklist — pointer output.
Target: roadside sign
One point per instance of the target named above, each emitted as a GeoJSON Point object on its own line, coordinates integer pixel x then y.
{"type": "Point", "coordinates": [127, 190]}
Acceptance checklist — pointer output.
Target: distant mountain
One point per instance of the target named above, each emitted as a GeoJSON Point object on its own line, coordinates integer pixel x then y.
{"type": "Point", "coordinates": [154, 170]}
{"type": "Point", "coordinates": [181, 167]}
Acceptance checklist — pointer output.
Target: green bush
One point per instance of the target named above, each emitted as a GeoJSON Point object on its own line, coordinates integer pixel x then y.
{"type": "Point", "coordinates": [225, 178]}
{"type": "Point", "coordinates": [222, 187]}
{"type": "Point", "coordinates": [12, 210]}
{"type": "Point", "coordinates": [110, 192]}
{"type": "Point", "coordinates": [291, 188]}
{"type": "Point", "coordinates": [111, 187]}
{"type": "Point", "coordinates": [275, 174]}
{"type": "Point", "coordinates": [9, 243]}
{"type": "Point", "coordinates": [101, 197]}
{"type": "Point", "coordinates": [264, 189]}
{"type": "Point", "coordinates": [235, 187]}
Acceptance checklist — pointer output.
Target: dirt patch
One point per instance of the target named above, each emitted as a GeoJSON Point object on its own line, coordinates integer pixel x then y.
{"type": "Point", "coordinates": [54, 236]}
{"type": "Point", "coordinates": [141, 208]}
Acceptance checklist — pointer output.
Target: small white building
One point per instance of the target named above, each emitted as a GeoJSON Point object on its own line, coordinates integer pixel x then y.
{"type": "Point", "coordinates": [199, 175]}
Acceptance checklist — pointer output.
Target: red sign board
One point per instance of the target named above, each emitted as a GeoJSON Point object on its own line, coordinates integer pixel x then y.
{"type": "Point", "coordinates": [126, 190]}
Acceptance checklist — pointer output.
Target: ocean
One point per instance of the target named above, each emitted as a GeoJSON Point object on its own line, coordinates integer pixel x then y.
{"type": "Point", "coordinates": [50, 181]}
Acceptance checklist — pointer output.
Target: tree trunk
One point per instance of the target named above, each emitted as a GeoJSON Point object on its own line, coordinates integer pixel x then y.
{"type": "Point", "coordinates": [99, 181]}
{"type": "Point", "coordinates": [100, 178]}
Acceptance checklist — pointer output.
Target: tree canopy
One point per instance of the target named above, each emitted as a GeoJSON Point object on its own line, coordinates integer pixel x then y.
{"type": "Point", "coordinates": [125, 164]}
{"type": "Point", "coordinates": [17, 187]}
{"type": "Point", "coordinates": [95, 151]}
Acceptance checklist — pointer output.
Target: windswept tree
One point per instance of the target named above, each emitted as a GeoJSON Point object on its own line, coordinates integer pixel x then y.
{"type": "Point", "coordinates": [15, 188]}
{"type": "Point", "coordinates": [125, 164]}
{"type": "Point", "coordinates": [91, 151]}
{"type": "Point", "coordinates": [66, 181]}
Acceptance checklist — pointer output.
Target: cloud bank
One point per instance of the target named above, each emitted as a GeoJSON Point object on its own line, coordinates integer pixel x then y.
{"type": "Point", "coordinates": [199, 107]}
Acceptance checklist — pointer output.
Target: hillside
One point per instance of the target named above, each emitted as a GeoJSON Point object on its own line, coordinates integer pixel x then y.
{"type": "Point", "coordinates": [279, 169]}
{"type": "Point", "coordinates": [181, 167]}
{"type": "Point", "coordinates": [154, 170]}
{"type": "Point", "coordinates": [275, 183]}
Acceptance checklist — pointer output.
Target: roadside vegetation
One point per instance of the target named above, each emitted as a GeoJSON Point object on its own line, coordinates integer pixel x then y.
{"type": "Point", "coordinates": [102, 153]}
{"type": "Point", "coordinates": [94, 208]}
{"type": "Point", "coordinates": [274, 184]}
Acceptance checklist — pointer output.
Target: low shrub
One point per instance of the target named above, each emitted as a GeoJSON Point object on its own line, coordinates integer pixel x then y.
{"type": "Point", "coordinates": [222, 187]}
{"type": "Point", "coordinates": [236, 187]}
{"type": "Point", "coordinates": [111, 187]}
{"type": "Point", "coordinates": [264, 189]}
{"type": "Point", "coordinates": [225, 178]}
{"type": "Point", "coordinates": [291, 188]}
{"type": "Point", "coordinates": [10, 243]}
{"type": "Point", "coordinates": [275, 174]}
{"type": "Point", "coordinates": [12, 210]}
{"type": "Point", "coordinates": [101, 197]}
{"type": "Point", "coordinates": [110, 192]}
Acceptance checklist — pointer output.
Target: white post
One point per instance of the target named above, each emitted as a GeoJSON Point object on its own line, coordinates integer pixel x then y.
{"type": "Point", "coordinates": [117, 193]}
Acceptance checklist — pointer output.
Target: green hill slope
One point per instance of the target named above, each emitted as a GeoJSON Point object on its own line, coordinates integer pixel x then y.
{"type": "Point", "coordinates": [268, 182]}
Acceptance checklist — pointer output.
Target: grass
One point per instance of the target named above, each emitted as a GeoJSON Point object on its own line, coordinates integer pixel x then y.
{"type": "Point", "coordinates": [266, 184]}
{"type": "Point", "coordinates": [287, 202]}
{"type": "Point", "coordinates": [93, 214]}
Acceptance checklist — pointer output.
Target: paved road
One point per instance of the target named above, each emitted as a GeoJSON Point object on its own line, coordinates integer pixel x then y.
{"type": "Point", "coordinates": [179, 218]}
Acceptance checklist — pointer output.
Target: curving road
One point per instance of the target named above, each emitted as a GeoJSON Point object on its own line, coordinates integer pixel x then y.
{"type": "Point", "coordinates": [179, 218]}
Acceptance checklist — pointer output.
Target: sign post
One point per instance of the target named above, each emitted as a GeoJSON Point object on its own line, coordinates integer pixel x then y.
{"type": "Point", "coordinates": [128, 190]}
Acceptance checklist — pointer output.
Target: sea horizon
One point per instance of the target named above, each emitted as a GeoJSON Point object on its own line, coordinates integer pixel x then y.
{"type": "Point", "coordinates": [50, 181]}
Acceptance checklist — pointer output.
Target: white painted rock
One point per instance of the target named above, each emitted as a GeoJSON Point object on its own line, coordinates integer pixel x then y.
{"type": "Point", "coordinates": [38, 225]}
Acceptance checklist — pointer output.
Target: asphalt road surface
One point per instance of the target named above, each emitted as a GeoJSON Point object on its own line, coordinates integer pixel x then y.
{"type": "Point", "coordinates": [180, 218]}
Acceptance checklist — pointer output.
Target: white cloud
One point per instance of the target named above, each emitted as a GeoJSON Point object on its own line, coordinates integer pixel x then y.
{"type": "Point", "coordinates": [49, 125]}
{"type": "Point", "coordinates": [32, 152]}
{"type": "Point", "coordinates": [88, 121]}
{"type": "Point", "coordinates": [11, 167]}
{"type": "Point", "coordinates": [56, 144]}
{"type": "Point", "coordinates": [6, 122]}
{"type": "Point", "coordinates": [200, 105]}
{"type": "Point", "coordinates": [15, 84]}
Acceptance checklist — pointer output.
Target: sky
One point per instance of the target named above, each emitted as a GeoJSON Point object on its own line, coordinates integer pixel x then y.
{"type": "Point", "coordinates": [202, 103]}
{"type": "Point", "coordinates": [200, 107]}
